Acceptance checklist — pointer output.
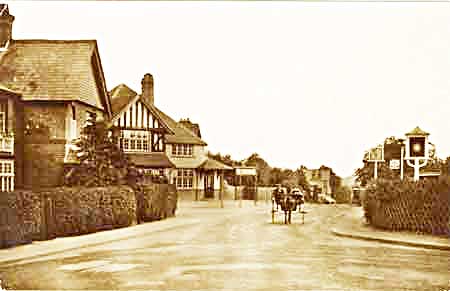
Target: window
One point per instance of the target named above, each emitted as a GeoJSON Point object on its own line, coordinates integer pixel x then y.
{"type": "Point", "coordinates": [158, 142]}
{"type": "Point", "coordinates": [182, 150]}
{"type": "Point", "coordinates": [184, 178]}
{"type": "Point", "coordinates": [134, 140]}
{"type": "Point", "coordinates": [7, 175]}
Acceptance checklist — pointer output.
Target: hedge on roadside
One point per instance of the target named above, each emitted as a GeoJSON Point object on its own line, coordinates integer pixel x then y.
{"type": "Point", "coordinates": [20, 217]}
{"type": "Point", "coordinates": [155, 201]}
{"type": "Point", "coordinates": [66, 211]}
{"type": "Point", "coordinates": [422, 206]}
{"type": "Point", "coordinates": [80, 210]}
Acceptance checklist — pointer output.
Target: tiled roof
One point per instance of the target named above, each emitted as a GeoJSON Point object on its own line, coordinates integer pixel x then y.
{"type": "Point", "coordinates": [151, 160]}
{"type": "Point", "coordinates": [121, 96]}
{"type": "Point", "coordinates": [57, 70]}
{"type": "Point", "coordinates": [194, 127]}
{"type": "Point", "coordinates": [211, 164]}
{"type": "Point", "coordinates": [182, 134]}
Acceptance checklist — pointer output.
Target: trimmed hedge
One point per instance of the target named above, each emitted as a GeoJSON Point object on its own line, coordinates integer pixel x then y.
{"type": "Point", "coordinates": [155, 201]}
{"type": "Point", "coordinates": [20, 218]}
{"type": "Point", "coordinates": [422, 206]}
{"type": "Point", "coordinates": [79, 210]}
{"type": "Point", "coordinates": [65, 211]}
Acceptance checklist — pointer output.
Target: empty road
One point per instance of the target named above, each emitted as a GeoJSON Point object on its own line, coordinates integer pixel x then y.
{"type": "Point", "coordinates": [238, 249]}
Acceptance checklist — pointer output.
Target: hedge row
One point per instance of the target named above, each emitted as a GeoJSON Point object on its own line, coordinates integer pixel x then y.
{"type": "Point", "coordinates": [80, 210]}
{"type": "Point", "coordinates": [65, 211]}
{"type": "Point", "coordinates": [20, 217]}
{"type": "Point", "coordinates": [422, 206]}
{"type": "Point", "coordinates": [155, 201]}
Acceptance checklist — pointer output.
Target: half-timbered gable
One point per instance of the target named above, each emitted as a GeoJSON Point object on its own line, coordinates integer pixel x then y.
{"type": "Point", "coordinates": [141, 129]}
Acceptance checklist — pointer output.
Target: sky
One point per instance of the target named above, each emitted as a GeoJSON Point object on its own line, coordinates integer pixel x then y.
{"type": "Point", "coordinates": [299, 83]}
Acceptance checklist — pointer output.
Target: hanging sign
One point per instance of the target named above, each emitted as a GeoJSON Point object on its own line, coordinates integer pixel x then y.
{"type": "Point", "coordinates": [245, 171]}
{"type": "Point", "coordinates": [394, 164]}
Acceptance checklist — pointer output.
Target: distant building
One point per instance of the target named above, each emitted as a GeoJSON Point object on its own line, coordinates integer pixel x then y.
{"type": "Point", "coordinates": [320, 179]}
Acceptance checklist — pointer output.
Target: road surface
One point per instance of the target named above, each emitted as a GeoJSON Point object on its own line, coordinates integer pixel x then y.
{"type": "Point", "coordinates": [238, 249]}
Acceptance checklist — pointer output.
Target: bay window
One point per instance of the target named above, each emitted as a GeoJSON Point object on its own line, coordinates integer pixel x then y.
{"type": "Point", "coordinates": [185, 150]}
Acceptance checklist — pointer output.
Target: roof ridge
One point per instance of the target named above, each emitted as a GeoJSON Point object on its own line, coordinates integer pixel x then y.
{"type": "Point", "coordinates": [190, 131]}
{"type": "Point", "coordinates": [122, 85]}
{"type": "Point", "coordinates": [55, 40]}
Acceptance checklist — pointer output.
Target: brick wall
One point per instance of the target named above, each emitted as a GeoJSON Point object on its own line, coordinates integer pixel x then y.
{"type": "Point", "coordinates": [43, 156]}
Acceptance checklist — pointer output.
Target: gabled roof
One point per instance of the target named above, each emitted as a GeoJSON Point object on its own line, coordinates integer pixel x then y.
{"type": "Point", "coordinates": [417, 131]}
{"type": "Point", "coordinates": [55, 70]}
{"type": "Point", "coordinates": [123, 102]}
{"type": "Point", "coordinates": [121, 96]}
{"type": "Point", "coordinates": [182, 135]}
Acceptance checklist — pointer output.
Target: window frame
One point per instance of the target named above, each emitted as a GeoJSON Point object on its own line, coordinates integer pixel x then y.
{"type": "Point", "coordinates": [182, 150]}
{"type": "Point", "coordinates": [135, 141]}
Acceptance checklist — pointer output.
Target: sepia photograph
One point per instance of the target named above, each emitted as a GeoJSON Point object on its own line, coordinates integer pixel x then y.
{"type": "Point", "coordinates": [225, 145]}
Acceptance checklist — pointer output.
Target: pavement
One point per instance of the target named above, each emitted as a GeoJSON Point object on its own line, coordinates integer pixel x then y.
{"type": "Point", "coordinates": [352, 225]}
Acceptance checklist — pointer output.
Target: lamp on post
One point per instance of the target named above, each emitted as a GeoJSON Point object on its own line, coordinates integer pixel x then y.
{"type": "Point", "coordinates": [402, 156]}
{"type": "Point", "coordinates": [417, 150]}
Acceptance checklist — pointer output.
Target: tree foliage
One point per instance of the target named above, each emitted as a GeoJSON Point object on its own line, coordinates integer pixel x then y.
{"type": "Point", "coordinates": [100, 160]}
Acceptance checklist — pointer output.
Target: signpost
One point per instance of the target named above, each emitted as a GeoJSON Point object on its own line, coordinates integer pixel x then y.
{"type": "Point", "coordinates": [375, 155]}
{"type": "Point", "coordinates": [247, 171]}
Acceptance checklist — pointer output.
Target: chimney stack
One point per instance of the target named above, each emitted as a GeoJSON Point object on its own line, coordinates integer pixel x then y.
{"type": "Point", "coordinates": [147, 88]}
{"type": "Point", "coordinates": [6, 21]}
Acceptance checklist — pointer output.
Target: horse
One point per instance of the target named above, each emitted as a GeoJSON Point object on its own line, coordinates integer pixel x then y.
{"type": "Point", "coordinates": [288, 203]}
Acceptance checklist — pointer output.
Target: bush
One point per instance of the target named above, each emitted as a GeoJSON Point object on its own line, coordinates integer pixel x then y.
{"type": "Point", "coordinates": [155, 201]}
{"type": "Point", "coordinates": [422, 206]}
{"type": "Point", "coordinates": [20, 217]}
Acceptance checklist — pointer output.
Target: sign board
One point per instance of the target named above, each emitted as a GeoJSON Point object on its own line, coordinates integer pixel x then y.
{"type": "Point", "coordinates": [394, 164]}
{"type": "Point", "coordinates": [245, 171]}
{"type": "Point", "coordinates": [375, 154]}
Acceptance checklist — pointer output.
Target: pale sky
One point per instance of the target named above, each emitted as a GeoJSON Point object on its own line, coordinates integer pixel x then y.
{"type": "Point", "coordinates": [300, 83]}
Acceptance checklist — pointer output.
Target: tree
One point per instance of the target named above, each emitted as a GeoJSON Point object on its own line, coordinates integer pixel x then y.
{"type": "Point", "coordinates": [262, 167]}
{"type": "Point", "coordinates": [100, 160]}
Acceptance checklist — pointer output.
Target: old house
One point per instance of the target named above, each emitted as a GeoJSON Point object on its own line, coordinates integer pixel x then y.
{"type": "Point", "coordinates": [159, 145]}
{"type": "Point", "coordinates": [48, 88]}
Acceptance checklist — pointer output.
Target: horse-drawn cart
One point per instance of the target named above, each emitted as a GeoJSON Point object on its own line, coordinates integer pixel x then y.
{"type": "Point", "coordinates": [288, 203]}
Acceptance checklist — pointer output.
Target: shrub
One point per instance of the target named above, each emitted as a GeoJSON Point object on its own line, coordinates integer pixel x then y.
{"type": "Point", "coordinates": [422, 206]}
